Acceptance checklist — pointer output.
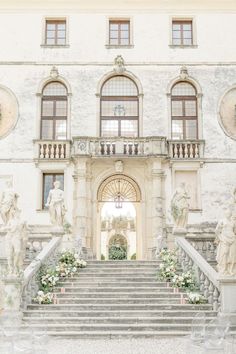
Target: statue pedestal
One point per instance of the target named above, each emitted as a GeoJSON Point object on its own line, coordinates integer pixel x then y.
{"type": "Point", "coordinates": [68, 243]}
{"type": "Point", "coordinates": [12, 293]}
{"type": "Point", "coordinates": [228, 295]}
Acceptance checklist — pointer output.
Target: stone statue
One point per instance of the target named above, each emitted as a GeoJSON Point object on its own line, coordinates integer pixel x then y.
{"type": "Point", "coordinates": [55, 202]}
{"type": "Point", "coordinates": [16, 242]}
{"type": "Point", "coordinates": [226, 249]}
{"type": "Point", "coordinates": [8, 203]}
{"type": "Point", "coordinates": [180, 207]}
{"type": "Point", "coordinates": [119, 65]}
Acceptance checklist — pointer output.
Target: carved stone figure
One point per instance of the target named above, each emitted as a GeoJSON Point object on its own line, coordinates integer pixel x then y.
{"type": "Point", "coordinates": [119, 65]}
{"type": "Point", "coordinates": [180, 207]}
{"type": "Point", "coordinates": [226, 250]}
{"type": "Point", "coordinates": [55, 202]}
{"type": "Point", "coordinates": [119, 167]}
{"type": "Point", "coordinates": [16, 242]}
{"type": "Point", "coordinates": [8, 203]}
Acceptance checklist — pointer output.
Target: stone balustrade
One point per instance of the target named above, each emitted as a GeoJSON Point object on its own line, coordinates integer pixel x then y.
{"type": "Point", "coordinates": [185, 149]}
{"type": "Point", "coordinates": [52, 149]}
{"type": "Point", "coordinates": [191, 260]}
{"type": "Point", "coordinates": [148, 146]}
{"type": "Point", "coordinates": [118, 146]}
{"type": "Point", "coordinates": [35, 245]}
{"type": "Point", "coordinates": [48, 255]}
{"type": "Point", "coordinates": [205, 246]}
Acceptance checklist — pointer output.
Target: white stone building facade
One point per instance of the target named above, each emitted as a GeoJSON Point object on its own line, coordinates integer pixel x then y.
{"type": "Point", "coordinates": [156, 154]}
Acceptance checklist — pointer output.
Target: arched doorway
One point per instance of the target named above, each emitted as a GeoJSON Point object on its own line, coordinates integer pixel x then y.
{"type": "Point", "coordinates": [119, 199]}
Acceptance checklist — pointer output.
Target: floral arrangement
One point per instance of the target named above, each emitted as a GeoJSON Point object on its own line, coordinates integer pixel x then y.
{"type": "Point", "coordinates": [184, 281]}
{"type": "Point", "coordinates": [68, 265]}
{"type": "Point", "coordinates": [196, 298]}
{"type": "Point", "coordinates": [167, 268]}
{"type": "Point", "coordinates": [43, 298]}
{"type": "Point", "coordinates": [48, 279]}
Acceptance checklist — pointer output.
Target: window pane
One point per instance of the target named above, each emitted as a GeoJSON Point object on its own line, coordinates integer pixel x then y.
{"type": "Point", "coordinates": [124, 41]}
{"type": "Point", "coordinates": [124, 27]}
{"type": "Point", "coordinates": [176, 34]}
{"type": "Point", "coordinates": [50, 41]}
{"type": "Point", "coordinates": [60, 130]}
{"type": "Point", "coordinates": [124, 34]}
{"type": "Point", "coordinates": [176, 27]}
{"type": "Point", "coordinates": [176, 41]}
{"type": "Point", "coordinates": [114, 34]}
{"type": "Point", "coordinates": [191, 129]}
{"type": "Point", "coordinates": [47, 109]}
{"type": "Point", "coordinates": [114, 26]}
{"type": "Point", "coordinates": [119, 108]}
{"type": "Point", "coordinates": [61, 34]}
{"type": "Point", "coordinates": [129, 128]}
{"type": "Point", "coordinates": [183, 89]}
{"type": "Point", "coordinates": [55, 89]}
{"type": "Point", "coordinates": [47, 129]}
{"type": "Point", "coordinates": [61, 26]}
{"type": "Point", "coordinates": [119, 86]}
{"type": "Point", "coordinates": [109, 128]}
{"type": "Point", "coordinates": [187, 41]}
{"type": "Point", "coordinates": [51, 26]}
{"type": "Point", "coordinates": [61, 41]}
{"type": "Point", "coordinates": [61, 108]}
{"type": "Point", "coordinates": [177, 108]}
{"type": "Point", "coordinates": [190, 108]}
{"type": "Point", "coordinates": [51, 34]}
{"type": "Point", "coordinates": [114, 41]}
{"type": "Point", "coordinates": [177, 129]}
{"type": "Point", "coordinates": [187, 27]}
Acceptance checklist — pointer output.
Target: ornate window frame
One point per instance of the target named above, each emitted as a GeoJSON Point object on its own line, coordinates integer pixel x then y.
{"type": "Point", "coordinates": [131, 32]}
{"type": "Point", "coordinates": [39, 95]}
{"type": "Point", "coordinates": [131, 76]}
{"type": "Point", "coordinates": [43, 38]}
{"type": "Point", "coordinates": [185, 77]}
{"type": "Point", "coordinates": [194, 31]}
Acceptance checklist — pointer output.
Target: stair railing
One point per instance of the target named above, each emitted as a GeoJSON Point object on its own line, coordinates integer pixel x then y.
{"type": "Point", "coordinates": [191, 260]}
{"type": "Point", "coordinates": [48, 256]}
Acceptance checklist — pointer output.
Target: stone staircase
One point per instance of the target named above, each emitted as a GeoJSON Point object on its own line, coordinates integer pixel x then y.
{"type": "Point", "coordinates": [115, 299]}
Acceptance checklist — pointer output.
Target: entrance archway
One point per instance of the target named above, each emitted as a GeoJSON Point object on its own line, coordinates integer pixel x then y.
{"type": "Point", "coordinates": [119, 199]}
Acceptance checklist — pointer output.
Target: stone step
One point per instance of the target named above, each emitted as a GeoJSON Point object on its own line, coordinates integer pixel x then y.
{"type": "Point", "coordinates": [112, 320]}
{"type": "Point", "coordinates": [114, 306]}
{"type": "Point", "coordinates": [119, 275]}
{"type": "Point", "coordinates": [113, 295]}
{"type": "Point", "coordinates": [115, 289]}
{"type": "Point", "coordinates": [46, 312]}
{"type": "Point", "coordinates": [111, 285]}
{"type": "Point", "coordinates": [112, 327]}
{"type": "Point", "coordinates": [107, 301]}
{"type": "Point", "coordinates": [106, 280]}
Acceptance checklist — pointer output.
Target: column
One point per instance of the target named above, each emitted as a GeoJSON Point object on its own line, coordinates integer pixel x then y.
{"type": "Point", "coordinates": [157, 203]}
{"type": "Point", "coordinates": [80, 200]}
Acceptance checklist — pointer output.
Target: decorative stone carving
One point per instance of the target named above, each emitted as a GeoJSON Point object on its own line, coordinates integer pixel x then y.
{"type": "Point", "coordinates": [55, 202]}
{"type": "Point", "coordinates": [8, 203]}
{"type": "Point", "coordinates": [180, 207]}
{"type": "Point", "coordinates": [8, 111]}
{"type": "Point", "coordinates": [119, 166]}
{"type": "Point", "coordinates": [184, 73]}
{"type": "Point", "coordinates": [227, 113]}
{"type": "Point", "coordinates": [54, 72]}
{"type": "Point", "coordinates": [226, 250]}
{"type": "Point", "coordinates": [119, 65]}
{"type": "Point", "coordinates": [16, 242]}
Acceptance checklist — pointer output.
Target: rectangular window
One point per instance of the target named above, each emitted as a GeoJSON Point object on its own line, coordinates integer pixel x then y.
{"type": "Point", "coordinates": [182, 32]}
{"type": "Point", "coordinates": [119, 32]}
{"type": "Point", "coordinates": [48, 180]}
{"type": "Point", "coordinates": [55, 32]}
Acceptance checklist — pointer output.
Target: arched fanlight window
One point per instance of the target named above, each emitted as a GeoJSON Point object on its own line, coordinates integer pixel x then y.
{"type": "Point", "coordinates": [54, 111]}
{"type": "Point", "coordinates": [119, 110]}
{"type": "Point", "coordinates": [184, 115]}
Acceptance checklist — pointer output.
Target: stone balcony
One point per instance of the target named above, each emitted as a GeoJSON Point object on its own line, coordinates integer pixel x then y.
{"type": "Point", "coordinates": [52, 149]}
{"type": "Point", "coordinates": [119, 147]}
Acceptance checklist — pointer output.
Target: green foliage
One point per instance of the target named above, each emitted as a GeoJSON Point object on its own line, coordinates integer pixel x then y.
{"type": "Point", "coordinates": [102, 257]}
{"type": "Point", "coordinates": [117, 252]}
{"type": "Point", "coordinates": [133, 257]}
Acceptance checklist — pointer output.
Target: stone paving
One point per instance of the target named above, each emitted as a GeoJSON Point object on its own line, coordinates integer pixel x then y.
{"type": "Point", "coordinates": [123, 346]}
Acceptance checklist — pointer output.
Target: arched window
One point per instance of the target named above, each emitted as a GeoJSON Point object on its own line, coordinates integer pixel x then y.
{"type": "Point", "coordinates": [54, 111]}
{"type": "Point", "coordinates": [184, 115]}
{"type": "Point", "coordinates": [119, 110]}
